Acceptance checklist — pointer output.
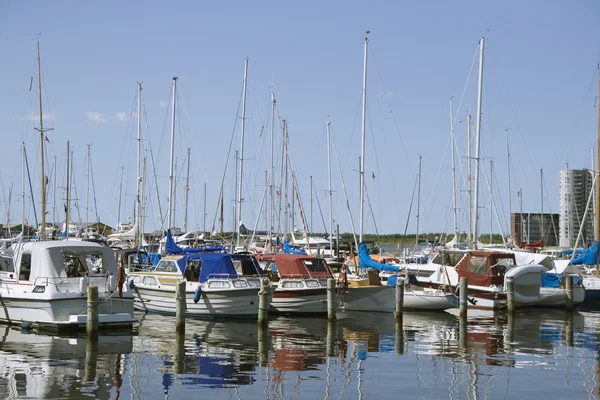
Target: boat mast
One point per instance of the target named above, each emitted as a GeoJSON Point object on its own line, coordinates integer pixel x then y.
{"type": "Point", "coordinates": [509, 187]}
{"type": "Point", "coordinates": [41, 130]}
{"type": "Point", "coordinates": [310, 224]}
{"type": "Point", "coordinates": [204, 216]}
{"type": "Point", "coordinates": [328, 124]}
{"type": "Point", "coordinates": [453, 139]}
{"type": "Point", "coordinates": [171, 177]}
{"type": "Point", "coordinates": [418, 204]}
{"type": "Point", "coordinates": [271, 167]}
{"type": "Point", "coordinates": [87, 188]}
{"type": "Point", "coordinates": [469, 195]}
{"type": "Point", "coordinates": [138, 208]}
{"type": "Point", "coordinates": [597, 230]}
{"type": "Point", "coordinates": [239, 199]}
{"type": "Point", "coordinates": [68, 188]}
{"type": "Point", "coordinates": [492, 199]}
{"type": "Point", "coordinates": [23, 188]}
{"type": "Point", "coordinates": [120, 197]}
{"type": "Point", "coordinates": [362, 148]}
{"type": "Point", "coordinates": [187, 192]}
{"type": "Point", "coordinates": [542, 193]}
{"type": "Point", "coordinates": [477, 140]}
{"type": "Point", "coordinates": [54, 195]}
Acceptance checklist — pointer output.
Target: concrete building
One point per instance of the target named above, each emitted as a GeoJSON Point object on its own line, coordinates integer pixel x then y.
{"type": "Point", "coordinates": [575, 188]}
{"type": "Point", "coordinates": [527, 228]}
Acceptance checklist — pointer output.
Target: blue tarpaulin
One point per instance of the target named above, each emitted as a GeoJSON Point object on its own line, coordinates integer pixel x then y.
{"type": "Point", "coordinates": [220, 265]}
{"type": "Point", "coordinates": [365, 260]}
{"type": "Point", "coordinates": [553, 280]}
{"type": "Point", "coordinates": [287, 249]}
{"type": "Point", "coordinates": [589, 257]}
{"type": "Point", "coordinates": [173, 248]}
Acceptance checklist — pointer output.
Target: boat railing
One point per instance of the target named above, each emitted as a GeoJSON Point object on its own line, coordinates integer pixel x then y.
{"type": "Point", "coordinates": [294, 276]}
{"type": "Point", "coordinates": [222, 276]}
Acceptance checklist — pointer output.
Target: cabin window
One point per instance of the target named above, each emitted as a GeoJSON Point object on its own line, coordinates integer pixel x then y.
{"type": "Point", "coordinates": [6, 264]}
{"type": "Point", "coordinates": [150, 281]}
{"type": "Point", "coordinates": [449, 259]}
{"type": "Point", "coordinates": [166, 266]}
{"type": "Point", "coordinates": [240, 284]}
{"type": "Point", "coordinates": [478, 265]}
{"type": "Point", "coordinates": [192, 270]}
{"type": "Point", "coordinates": [219, 285]}
{"type": "Point", "coordinates": [315, 265]}
{"type": "Point", "coordinates": [312, 283]}
{"type": "Point", "coordinates": [292, 285]}
{"type": "Point", "coordinates": [244, 266]}
{"type": "Point", "coordinates": [25, 270]}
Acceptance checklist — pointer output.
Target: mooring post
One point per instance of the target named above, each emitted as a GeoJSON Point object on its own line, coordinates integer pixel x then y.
{"type": "Point", "coordinates": [510, 295]}
{"type": "Point", "coordinates": [180, 310]}
{"type": "Point", "coordinates": [399, 338]}
{"type": "Point", "coordinates": [179, 364]}
{"type": "Point", "coordinates": [399, 298]}
{"type": "Point", "coordinates": [569, 286]}
{"type": "Point", "coordinates": [263, 301]}
{"type": "Point", "coordinates": [91, 358]}
{"type": "Point", "coordinates": [92, 310]}
{"type": "Point", "coordinates": [331, 300]}
{"type": "Point", "coordinates": [463, 299]}
{"type": "Point", "coordinates": [331, 337]}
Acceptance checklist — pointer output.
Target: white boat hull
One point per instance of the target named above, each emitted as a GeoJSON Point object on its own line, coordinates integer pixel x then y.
{"type": "Point", "coordinates": [428, 300]}
{"type": "Point", "coordinates": [61, 306]}
{"type": "Point", "coordinates": [232, 303]}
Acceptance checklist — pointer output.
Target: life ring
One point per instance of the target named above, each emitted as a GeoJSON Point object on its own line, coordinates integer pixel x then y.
{"type": "Point", "coordinates": [121, 278]}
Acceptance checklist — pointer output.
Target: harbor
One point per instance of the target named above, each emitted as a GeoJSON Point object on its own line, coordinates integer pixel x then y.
{"type": "Point", "coordinates": [548, 353]}
{"type": "Point", "coordinates": [315, 200]}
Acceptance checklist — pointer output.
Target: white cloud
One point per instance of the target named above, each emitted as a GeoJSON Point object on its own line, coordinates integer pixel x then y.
{"type": "Point", "coordinates": [164, 104]}
{"type": "Point", "coordinates": [121, 116]}
{"type": "Point", "coordinates": [95, 117]}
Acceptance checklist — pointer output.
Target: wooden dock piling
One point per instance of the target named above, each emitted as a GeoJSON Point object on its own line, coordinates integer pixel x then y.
{"type": "Point", "coordinates": [569, 287]}
{"type": "Point", "coordinates": [510, 295]}
{"type": "Point", "coordinates": [331, 300]}
{"type": "Point", "coordinates": [464, 297]}
{"type": "Point", "coordinates": [180, 310]}
{"type": "Point", "coordinates": [92, 311]}
{"type": "Point", "coordinates": [263, 301]}
{"type": "Point", "coordinates": [399, 298]}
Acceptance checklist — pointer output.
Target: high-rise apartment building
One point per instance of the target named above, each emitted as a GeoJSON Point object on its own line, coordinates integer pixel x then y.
{"type": "Point", "coordinates": [575, 188]}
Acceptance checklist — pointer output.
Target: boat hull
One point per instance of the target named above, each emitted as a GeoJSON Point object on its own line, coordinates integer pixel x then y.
{"type": "Point", "coordinates": [372, 298]}
{"type": "Point", "coordinates": [428, 300]}
{"type": "Point", "coordinates": [234, 303]}
{"type": "Point", "coordinates": [304, 301]}
{"type": "Point", "coordinates": [19, 305]}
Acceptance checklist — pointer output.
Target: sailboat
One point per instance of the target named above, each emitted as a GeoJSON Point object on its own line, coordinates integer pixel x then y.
{"type": "Point", "coordinates": [46, 284]}
{"type": "Point", "coordinates": [367, 293]}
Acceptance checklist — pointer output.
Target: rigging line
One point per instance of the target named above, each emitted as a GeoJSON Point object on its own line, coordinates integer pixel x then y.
{"type": "Point", "coordinates": [462, 96]}
{"type": "Point", "coordinates": [94, 192]}
{"type": "Point", "coordinates": [412, 199]}
{"type": "Point", "coordinates": [337, 159]}
{"type": "Point", "coordinates": [160, 214]}
{"type": "Point", "coordinates": [353, 131]}
{"type": "Point", "coordinates": [495, 210]}
{"type": "Point", "coordinates": [372, 214]}
{"type": "Point", "coordinates": [427, 208]}
{"type": "Point", "coordinates": [389, 109]}
{"type": "Point", "coordinates": [499, 190]}
{"type": "Point", "coordinates": [551, 213]}
{"type": "Point", "coordinates": [237, 112]}
{"type": "Point", "coordinates": [321, 210]}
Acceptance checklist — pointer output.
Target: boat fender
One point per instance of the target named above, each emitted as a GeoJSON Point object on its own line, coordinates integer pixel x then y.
{"type": "Point", "coordinates": [83, 284]}
{"type": "Point", "coordinates": [197, 294]}
{"type": "Point", "coordinates": [112, 283]}
{"type": "Point", "coordinates": [131, 284]}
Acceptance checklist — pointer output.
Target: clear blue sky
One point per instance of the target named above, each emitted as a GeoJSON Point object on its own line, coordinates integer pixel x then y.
{"type": "Point", "coordinates": [539, 86]}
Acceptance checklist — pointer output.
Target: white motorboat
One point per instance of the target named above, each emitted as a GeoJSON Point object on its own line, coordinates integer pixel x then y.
{"type": "Point", "coordinates": [46, 284]}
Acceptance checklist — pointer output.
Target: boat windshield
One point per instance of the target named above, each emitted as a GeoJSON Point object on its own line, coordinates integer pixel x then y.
{"type": "Point", "coordinates": [82, 264]}
{"type": "Point", "coordinates": [449, 258]}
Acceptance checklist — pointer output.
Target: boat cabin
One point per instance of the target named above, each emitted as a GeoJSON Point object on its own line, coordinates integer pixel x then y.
{"type": "Point", "coordinates": [485, 268]}
{"type": "Point", "coordinates": [199, 267]}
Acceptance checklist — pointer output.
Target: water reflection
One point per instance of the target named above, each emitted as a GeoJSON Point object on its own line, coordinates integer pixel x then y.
{"type": "Point", "coordinates": [428, 355]}
{"type": "Point", "coordinates": [41, 366]}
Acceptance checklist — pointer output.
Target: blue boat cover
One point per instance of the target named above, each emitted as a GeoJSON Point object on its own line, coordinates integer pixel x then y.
{"type": "Point", "coordinates": [173, 248]}
{"type": "Point", "coordinates": [552, 280]}
{"type": "Point", "coordinates": [220, 265]}
{"type": "Point", "coordinates": [154, 258]}
{"type": "Point", "coordinates": [392, 280]}
{"type": "Point", "coordinates": [287, 249]}
{"type": "Point", "coordinates": [589, 257]}
{"type": "Point", "coordinates": [365, 260]}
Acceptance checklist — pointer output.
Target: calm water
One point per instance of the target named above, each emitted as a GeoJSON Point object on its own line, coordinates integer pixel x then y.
{"type": "Point", "coordinates": [541, 353]}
